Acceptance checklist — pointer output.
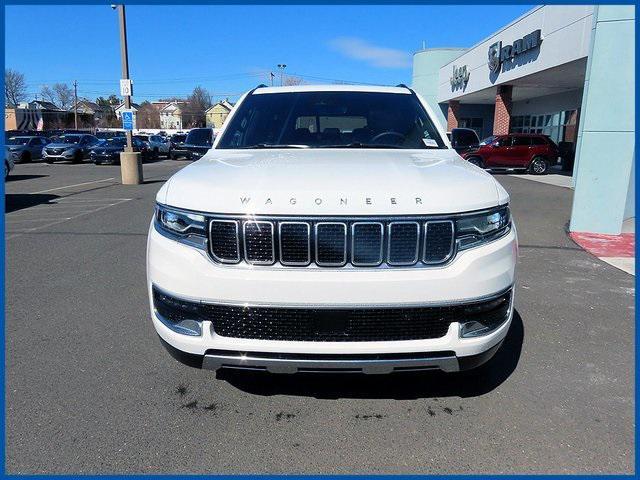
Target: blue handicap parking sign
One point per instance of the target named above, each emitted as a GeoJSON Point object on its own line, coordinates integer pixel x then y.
{"type": "Point", "coordinates": [127, 120]}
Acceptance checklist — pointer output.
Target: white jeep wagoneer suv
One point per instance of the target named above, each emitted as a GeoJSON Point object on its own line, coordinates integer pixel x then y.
{"type": "Point", "coordinates": [332, 228]}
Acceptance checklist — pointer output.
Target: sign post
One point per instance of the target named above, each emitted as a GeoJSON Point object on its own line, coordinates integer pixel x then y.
{"type": "Point", "coordinates": [128, 120]}
{"type": "Point", "coordinates": [130, 161]}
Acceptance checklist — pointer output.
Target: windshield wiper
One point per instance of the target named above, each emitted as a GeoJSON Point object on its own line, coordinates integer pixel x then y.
{"type": "Point", "coordinates": [360, 145]}
{"type": "Point", "coordinates": [273, 145]}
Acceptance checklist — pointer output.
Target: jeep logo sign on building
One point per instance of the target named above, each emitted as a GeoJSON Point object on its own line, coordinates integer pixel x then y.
{"type": "Point", "coordinates": [499, 54]}
{"type": "Point", "coordinates": [460, 77]}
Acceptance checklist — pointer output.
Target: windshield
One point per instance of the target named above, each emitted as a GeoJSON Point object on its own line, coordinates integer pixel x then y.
{"type": "Point", "coordinates": [488, 140]}
{"type": "Point", "coordinates": [331, 119]}
{"type": "Point", "coordinates": [18, 141]}
{"type": "Point", "coordinates": [68, 139]}
{"type": "Point", "coordinates": [144, 138]}
{"type": "Point", "coordinates": [178, 138]}
{"type": "Point", "coordinates": [199, 137]}
{"type": "Point", "coordinates": [113, 142]}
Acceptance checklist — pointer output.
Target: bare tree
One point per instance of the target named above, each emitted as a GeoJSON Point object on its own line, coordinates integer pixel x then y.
{"type": "Point", "coordinates": [47, 94]}
{"type": "Point", "coordinates": [292, 81]}
{"type": "Point", "coordinates": [199, 100]}
{"type": "Point", "coordinates": [64, 95]}
{"type": "Point", "coordinates": [15, 87]}
{"type": "Point", "coordinates": [60, 94]}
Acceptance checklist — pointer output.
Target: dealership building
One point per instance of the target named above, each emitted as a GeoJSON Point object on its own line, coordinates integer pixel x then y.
{"type": "Point", "coordinates": [566, 71]}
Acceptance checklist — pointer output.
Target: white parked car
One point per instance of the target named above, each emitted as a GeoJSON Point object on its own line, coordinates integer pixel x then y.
{"type": "Point", "coordinates": [332, 228]}
{"type": "Point", "coordinates": [157, 144]}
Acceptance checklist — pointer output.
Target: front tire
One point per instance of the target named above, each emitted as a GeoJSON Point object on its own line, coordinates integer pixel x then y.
{"type": "Point", "coordinates": [25, 157]}
{"type": "Point", "coordinates": [77, 158]}
{"type": "Point", "coordinates": [539, 166]}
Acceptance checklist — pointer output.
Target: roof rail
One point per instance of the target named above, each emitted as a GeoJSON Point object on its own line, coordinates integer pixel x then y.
{"type": "Point", "coordinates": [262, 85]}
{"type": "Point", "coordinates": [402, 85]}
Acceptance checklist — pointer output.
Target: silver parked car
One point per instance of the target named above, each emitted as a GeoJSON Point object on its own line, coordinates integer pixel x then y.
{"type": "Point", "coordinates": [71, 146]}
{"type": "Point", "coordinates": [157, 144]}
{"type": "Point", "coordinates": [26, 148]}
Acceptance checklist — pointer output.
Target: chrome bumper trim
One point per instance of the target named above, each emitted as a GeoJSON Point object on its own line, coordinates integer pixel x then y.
{"type": "Point", "coordinates": [356, 365]}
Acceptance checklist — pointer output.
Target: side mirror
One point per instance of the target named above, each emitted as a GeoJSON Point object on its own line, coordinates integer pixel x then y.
{"type": "Point", "coordinates": [464, 138]}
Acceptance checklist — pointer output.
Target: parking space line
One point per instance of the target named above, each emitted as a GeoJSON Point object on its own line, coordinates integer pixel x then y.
{"type": "Point", "coordinates": [59, 221]}
{"type": "Point", "coordinates": [71, 186]}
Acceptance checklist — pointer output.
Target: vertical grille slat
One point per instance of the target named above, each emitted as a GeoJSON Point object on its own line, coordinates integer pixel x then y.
{"type": "Point", "coordinates": [438, 241]}
{"type": "Point", "coordinates": [295, 243]}
{"type": "Point", "coordinates": [259, 242]}
{"type": "Point", "coordinates": [367, 243]}
{"type": "Point", "coordinates": [224, 240]}
{"type": "Point", "coordinates": [331, 244]}
{"type": "Point", "coordinates": [403, 243]}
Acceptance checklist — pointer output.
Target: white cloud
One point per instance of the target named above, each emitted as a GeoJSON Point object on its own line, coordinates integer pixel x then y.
{"type": "Point", "coordinates": [377, 56]}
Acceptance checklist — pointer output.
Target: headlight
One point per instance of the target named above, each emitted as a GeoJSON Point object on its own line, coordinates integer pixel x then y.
{"type": "Point", "coordinates": [185, 227]}
{"type": "Point", "coordinates": [476, 229]}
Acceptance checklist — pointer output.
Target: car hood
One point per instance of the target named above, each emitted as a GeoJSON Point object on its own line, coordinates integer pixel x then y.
{"type": "Point", "coordinates": [61, 145]}
{"type": "Point", "coordinates": [332, 182]}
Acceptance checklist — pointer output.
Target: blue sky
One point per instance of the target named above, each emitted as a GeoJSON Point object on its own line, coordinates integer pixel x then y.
{"type": "Point", "coordinates": [230, 49]}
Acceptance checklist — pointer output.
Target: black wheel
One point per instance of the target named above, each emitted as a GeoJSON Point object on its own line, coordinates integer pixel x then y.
{"type": "Point", "coordinates": [25, 157]}
{"type": "Point", "coordinates": [77, 158]}
{"type": "Point", "coordinates": [539, 166]}
{"type": "Point", "coordinates": [6, 170]}
{"type": "Point", "coordinates": [155, 154]}
{"type": "Point", "coordinates": [477, 161]}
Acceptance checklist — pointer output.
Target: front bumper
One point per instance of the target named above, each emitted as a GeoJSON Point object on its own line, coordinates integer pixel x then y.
{"type": "Point", "coordinates": [188, 273]}
{"type": "Point", "coordinates": [62, 156]}
{"type": "Point", "coordinates": [105, 159]}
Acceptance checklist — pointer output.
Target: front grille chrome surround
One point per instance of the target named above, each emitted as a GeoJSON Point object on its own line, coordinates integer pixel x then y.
{"type": "Point", "coordinates": [375, 243]}
{"type": "Point", "coordinates": [286, 244]}
{"type": "Point", "coordinates": [435, 253]}
{"type": "Point", "coordinates": [413, 228]}
{"type": "Point", "coordinates": [259, 242]}
{"type": "Point", "coordinates": [219, 245]}
{"type": "Point", "coordinates": [331, 236]}
{"type": "Point", "coordinates": [332, 242]}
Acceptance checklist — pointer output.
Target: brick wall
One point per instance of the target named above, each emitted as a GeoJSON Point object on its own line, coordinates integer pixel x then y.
{"type": "Point", "coordinates": [452, 114]}
{"type": "Point", "coordinates": [502, 114]}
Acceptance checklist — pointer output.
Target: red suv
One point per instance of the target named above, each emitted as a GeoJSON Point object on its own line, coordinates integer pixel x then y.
{"type": "Point", "coordinates": [534, 153]}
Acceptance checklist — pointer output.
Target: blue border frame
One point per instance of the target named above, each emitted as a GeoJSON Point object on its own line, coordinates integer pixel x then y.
{"type": "Point", "coordinates": [303, 2]}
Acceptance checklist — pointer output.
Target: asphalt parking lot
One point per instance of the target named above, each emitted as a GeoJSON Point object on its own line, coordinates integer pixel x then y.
{"type": "Point", "coordinates": [89, 388]}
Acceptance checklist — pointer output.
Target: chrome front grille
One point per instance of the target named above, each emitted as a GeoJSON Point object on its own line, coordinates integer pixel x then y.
{"type": "Point", "coordinates": [304, 242]}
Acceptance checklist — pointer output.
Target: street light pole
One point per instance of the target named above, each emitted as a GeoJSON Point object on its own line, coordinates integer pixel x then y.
{"type": "Point", "coordinates": [124, 57]}
{"type": "Point", "coordinates": [282, 66]}
{"type": "Point", "coordinates": [130, 161]}
{"type": "Point", "coordinates": [75, 103]}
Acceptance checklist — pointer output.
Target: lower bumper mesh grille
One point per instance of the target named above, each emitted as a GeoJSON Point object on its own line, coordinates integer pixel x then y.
{"type": "Point", "coordinates": [338, 325]}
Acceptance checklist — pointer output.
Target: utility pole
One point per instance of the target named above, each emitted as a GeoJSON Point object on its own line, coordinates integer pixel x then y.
{"type": "Point", "coordinates": [271, 74]}
{"type": "Point", "coordinates": [282, 66]}
{"type": "Point", "coordinates": [130, 161]}
{"type": "Point", "coordinates": [75, 103]}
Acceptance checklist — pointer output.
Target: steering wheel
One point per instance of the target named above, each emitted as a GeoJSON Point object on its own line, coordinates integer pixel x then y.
{"type": "Point", "coordinates": [388, 133]}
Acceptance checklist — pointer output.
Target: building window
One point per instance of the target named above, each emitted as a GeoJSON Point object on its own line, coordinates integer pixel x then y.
{"type": "Point", "coordinates": [473, 123]}
{"type": "Point", "coordinates": [559, 126]}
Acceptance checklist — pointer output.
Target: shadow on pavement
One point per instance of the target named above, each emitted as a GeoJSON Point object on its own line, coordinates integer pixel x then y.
{"type": "Point", "coordinates": [15, 178]}
{"type": "Point", "coordinates": [18, 201]}
{"type": "Point", "coordinates": [399, 386]}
